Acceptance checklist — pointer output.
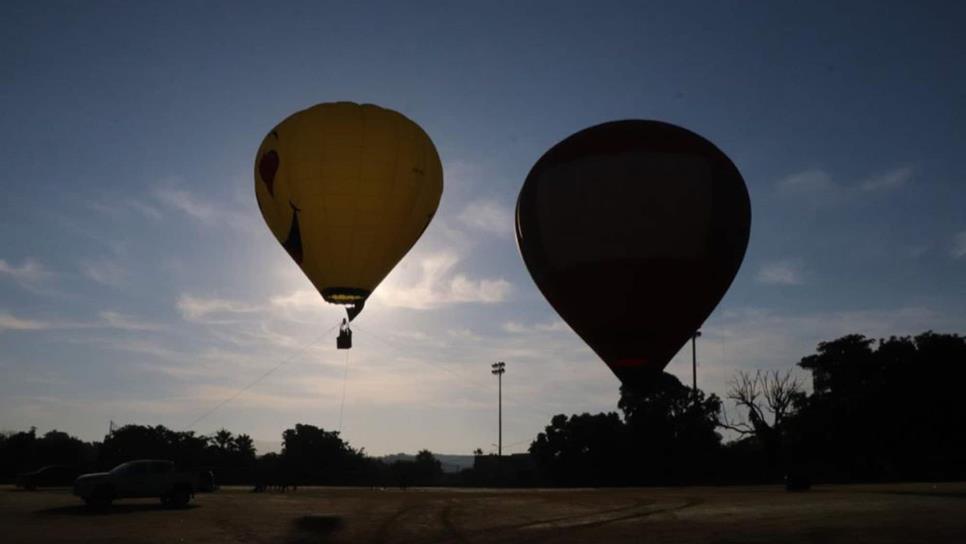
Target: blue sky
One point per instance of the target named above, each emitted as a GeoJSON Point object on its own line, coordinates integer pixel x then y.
{"type": "Point", "coordinates": [139, 284]}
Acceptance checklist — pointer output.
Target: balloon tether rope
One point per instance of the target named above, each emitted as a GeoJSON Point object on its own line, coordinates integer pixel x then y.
{"type": "Point", "coordinates": [345, 378]}
{"type": "Point", "coordinates": [264, 375]}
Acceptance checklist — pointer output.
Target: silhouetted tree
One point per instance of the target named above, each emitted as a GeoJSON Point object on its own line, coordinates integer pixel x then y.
{"type": "Point", "coordinates": [230, 457]}
{"type": "Point", "coordinates": [311, 455]}
{"type": "Point", "coordinates": [667, 436]}
{"type": "Point", "coordinates": [223, 440]}
{"type": "Point", "coordinates": [143, 442]}
{"type": "Point", "coordinates": [887, 411]}
{"type": "Point", "coordinates": [428, 469]}
{"type": "Point", "coordinates": [673, 432]}
{"type": "Point", "coordinates": [24, 451]}
{"type": "Point", "coordinates": [583, 449]}
{"type": "Point", "coordinates": [769, 399]}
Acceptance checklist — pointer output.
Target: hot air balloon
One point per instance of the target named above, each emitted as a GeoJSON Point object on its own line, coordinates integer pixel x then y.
{"type": "Point", "coordinates": [347, 189]}
{"type": "Point", "coordinates": [633, 231]}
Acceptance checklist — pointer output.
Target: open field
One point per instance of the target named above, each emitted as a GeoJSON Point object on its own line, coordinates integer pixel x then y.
{"type": "Point", "coordinates": [899, 513]}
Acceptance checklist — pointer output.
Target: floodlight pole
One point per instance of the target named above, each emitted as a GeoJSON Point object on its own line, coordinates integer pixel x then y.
{"type": "Point", "coordinates": [498, 369]}
{"type": "Point", "coordinates": [694, 365]}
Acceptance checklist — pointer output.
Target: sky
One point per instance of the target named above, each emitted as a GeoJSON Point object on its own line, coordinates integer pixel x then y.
{"type": "Point", "coordinates": [139, 283]}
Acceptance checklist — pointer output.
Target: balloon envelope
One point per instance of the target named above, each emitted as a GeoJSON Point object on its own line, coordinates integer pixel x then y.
{"type": "Point", "coordinates": [347, 189]}
{"type": "Point", "coordinates": [633, 230]}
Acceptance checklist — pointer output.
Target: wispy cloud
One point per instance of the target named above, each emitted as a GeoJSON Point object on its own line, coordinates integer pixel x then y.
{"type": "Point", "coordinates": [463, 333]}
{"type": "Point", "coordinates": [808, 181]}
{"type": "Point", "coordinates": [886, 181]}
{"type": "Point", "coordinates": [818, 188]}
{"type": "Point", "coordinates": [29, 273]}
{"type": "Point", "coordinates": [436, 283]}
{"type": "Point", "coordinates": [202, 210]}
{"type": "Point", "coordinates": [188, 204]}
{"type": "Point", "coordinates": [488, 216]}
{"type": "Point", "coordinates": [959, 245]}
{"type": "Point", "coordinates": [104, 320]}
{"type": "Point", "coordinates": [783, 272]}
{"type": "Point", "coordinates": [106, 271]}
{"type": "Point", "coordinates": [116, 320]}
{"type": "Point", "coordinates": [300, 299]}
{"type": "Point", "coordinates": [212, 310]}
{"type": "Point", "coordinates": [515, 327]}
{"type": "Point", "coordinates": [117, 207]}
{"type": "Point", "coordinates": [9, 322]}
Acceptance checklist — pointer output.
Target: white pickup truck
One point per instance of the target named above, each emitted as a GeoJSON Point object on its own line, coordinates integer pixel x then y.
{"type": "Point", "coordinates": [140, 479]}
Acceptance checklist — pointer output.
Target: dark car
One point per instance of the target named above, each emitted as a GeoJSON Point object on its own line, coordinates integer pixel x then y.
{"type": "Point", "coordinates": [140, 479]}
{"type": "Point", "coordinates": [49, 476]}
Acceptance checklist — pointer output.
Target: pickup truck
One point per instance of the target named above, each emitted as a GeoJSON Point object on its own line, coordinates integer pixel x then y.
{"type": "Point", "coordinates": [140, 479]}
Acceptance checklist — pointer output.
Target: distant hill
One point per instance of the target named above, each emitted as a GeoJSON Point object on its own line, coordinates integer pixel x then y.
{"type": "Point", "coordinates": [267, 446]}
{"type": "Point", "coordinates": [451, 463]}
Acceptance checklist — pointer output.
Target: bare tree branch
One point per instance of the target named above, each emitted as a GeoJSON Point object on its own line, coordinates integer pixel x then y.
{"type": "Point", "coordinates": [739, 427]}
{"type": "Point", "coordinates": [763, 392]}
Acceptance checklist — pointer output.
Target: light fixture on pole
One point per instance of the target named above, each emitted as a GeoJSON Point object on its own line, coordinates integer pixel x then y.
{"type": "Point", "coordinates": [694, 364]}
{"type": "Point", "coordinates": [498, 369]}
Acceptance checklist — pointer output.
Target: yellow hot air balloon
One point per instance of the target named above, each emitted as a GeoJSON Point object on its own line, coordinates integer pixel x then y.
{"type": "Point", "coordinates": [347, 189]}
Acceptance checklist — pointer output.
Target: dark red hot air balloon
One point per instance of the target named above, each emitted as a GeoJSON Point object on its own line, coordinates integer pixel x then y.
{"type": "Point", "coordinates": [634, 230]}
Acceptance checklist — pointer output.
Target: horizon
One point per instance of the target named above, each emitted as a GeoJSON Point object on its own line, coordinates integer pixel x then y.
{"type": "Point", "coordinates": [139, 284]}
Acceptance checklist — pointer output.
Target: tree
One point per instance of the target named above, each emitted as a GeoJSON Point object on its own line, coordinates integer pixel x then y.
{"type": "Point", "coordinates": [144, 442]}
{"type": "Point", "coordinates": [673, 431]}
{"type": "Point", "coordinates": [766, 396]}
{"type": "Point", "coordinates": [24, 451]}
{"type": "Point", "coordinates": [847, 363]}
{"type": "Point", "coordinates": [244, 446]}
{"type": "Point", "coordinates": [769, 398]}
{"type": "Point", "coordinates": [887, 410]}
{"type": "Point", "coordinates": [312, 455]}
{"type": "Point", "coordinates": [428, 469]}
{"type": "Point", "coordinates": [668, 435]}
{"type": "Point", "coordinates": [583, 449]}
{"type": "Point", "coordinates": [223, 440]}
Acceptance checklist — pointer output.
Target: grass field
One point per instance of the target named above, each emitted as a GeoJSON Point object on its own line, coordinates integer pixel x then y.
{"type": "Point", "coordinates": [900, 513]}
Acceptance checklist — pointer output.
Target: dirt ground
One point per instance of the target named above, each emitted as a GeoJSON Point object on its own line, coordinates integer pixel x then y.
{"type": "Point", "coordinates": [901, 513]}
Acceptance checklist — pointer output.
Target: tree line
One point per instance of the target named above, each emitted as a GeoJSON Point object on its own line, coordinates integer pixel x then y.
{"type": "Point", "coordinates": [309, 456]}
{"type": "Point", "coordinates": [878, 410]}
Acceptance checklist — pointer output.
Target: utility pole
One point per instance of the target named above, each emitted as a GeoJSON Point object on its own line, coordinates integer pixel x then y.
{"type": "Point", "coordinates": [694, 365]}
{"type": "Point", "coordinates": [498, 369]}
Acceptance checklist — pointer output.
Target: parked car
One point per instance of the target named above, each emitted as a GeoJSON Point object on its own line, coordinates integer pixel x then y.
{"type": "Point", "coordinates": [48, 476]}
{"type": "Point", "coordinates": [141, 479]}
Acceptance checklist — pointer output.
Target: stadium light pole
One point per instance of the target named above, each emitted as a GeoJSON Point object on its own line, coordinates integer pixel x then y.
{"type": "Point", "coordinates": [694, 365]}
{"type": "Point", "coordinates": [498, 369]}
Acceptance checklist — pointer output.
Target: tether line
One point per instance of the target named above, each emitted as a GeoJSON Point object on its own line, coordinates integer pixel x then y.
{"type": "Point", "coordinates": [281, 363]}
{"type": "Point", "coordinates": [345, 378]}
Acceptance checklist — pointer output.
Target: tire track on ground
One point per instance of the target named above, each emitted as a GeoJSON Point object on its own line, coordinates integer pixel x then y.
{"type": "Point", "coordinates": [383, 532]}
{"type": "Point", "coordinates": [445, 518]}
{"type": "Point", "coordinates": [688, 503]}
{"type": "Point", "coordinates": [544, 529]}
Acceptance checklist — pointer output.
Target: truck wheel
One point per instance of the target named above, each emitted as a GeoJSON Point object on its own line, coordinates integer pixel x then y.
{"type": "Point", "coordinates": [178, 498]}
{"type": "Point", "coordinates": [100, 498]}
